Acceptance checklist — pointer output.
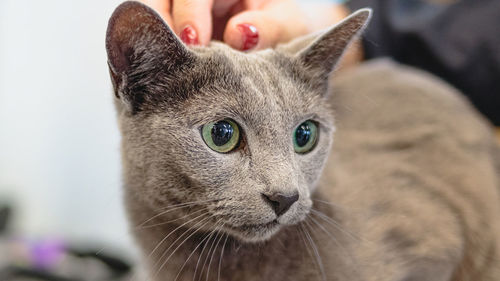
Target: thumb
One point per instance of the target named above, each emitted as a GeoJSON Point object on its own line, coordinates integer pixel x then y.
{"type": "Point", "coordinates": [260, 29]}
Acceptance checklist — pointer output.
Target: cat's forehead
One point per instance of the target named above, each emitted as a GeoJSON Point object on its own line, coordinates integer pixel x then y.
{"type": "Point", "coordinates": [257, 87]}
{"type": "Point", "coordinates": [267, 69]}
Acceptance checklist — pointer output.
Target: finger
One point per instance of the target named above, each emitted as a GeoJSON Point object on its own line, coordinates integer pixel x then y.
{"type": "Point", "coordinates": [193, 20]}
{"type": "Point", "coordinates": [223, 10]}
{"type": "Point", "coordinates": [162, 7]}
{"type": "Point", "coordinates": [263, 28]}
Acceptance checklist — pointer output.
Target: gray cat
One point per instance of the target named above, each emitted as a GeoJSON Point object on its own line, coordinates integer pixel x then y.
{"type": "Point", "coordinates": [228, 172]}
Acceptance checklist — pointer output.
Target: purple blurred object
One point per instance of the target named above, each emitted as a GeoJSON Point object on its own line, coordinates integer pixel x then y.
{"type": "Point", "coordinates": [47, 253]}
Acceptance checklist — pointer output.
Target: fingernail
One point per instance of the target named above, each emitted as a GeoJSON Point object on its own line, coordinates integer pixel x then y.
{"type": "Point", "coordinates": [189, 35]}
{"type": "Point", "coordinates": [250, 35]}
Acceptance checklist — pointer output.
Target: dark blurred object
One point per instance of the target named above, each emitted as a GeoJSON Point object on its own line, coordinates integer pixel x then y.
{"type": "Point", "coordinates": [71, 265]}
{"type": "Point", "coordinates": [54, 259]}
{"type": "Point", "coordinates": [118, 267]}
{"type": "Point", "coordinates": [457, 40]}
{"type": "Point", "coordinates": [13, 273]}
{"type": "Point", "coordinates": [4, 218]}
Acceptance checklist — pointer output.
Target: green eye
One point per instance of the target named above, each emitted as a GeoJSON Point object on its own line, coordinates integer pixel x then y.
{"type": "Point", "coordinates": [221, 136]}
{"type": "Point", "coordinates": [305, 137]}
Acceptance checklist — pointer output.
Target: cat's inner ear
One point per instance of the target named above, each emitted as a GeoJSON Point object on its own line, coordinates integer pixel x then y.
{"type": "Point", "coordinates": [139, 42]}
{"type": "Point", "coordinates": [320, 52]}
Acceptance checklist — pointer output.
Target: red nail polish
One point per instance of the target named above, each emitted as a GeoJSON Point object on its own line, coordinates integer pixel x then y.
{"type": "Point", "coordinates": [250, 35]}
{"type": "Point", "coordinates": [189, 35]}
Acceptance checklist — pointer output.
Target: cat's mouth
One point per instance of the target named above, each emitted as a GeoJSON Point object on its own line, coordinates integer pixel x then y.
{"type": "Point", "coordinates": [259, 226]}
{"type": "Point", "coordinates": [255, 232]}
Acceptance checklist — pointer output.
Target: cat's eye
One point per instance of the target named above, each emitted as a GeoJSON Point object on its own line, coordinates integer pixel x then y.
{"type": "Point", "coordinates": [221, 136]}
{"type": "Point", "coordinates": [305, 137]}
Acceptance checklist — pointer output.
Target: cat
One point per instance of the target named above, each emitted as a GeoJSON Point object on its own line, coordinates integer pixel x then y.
{"type": "Point", "coordinates": [231, 170]}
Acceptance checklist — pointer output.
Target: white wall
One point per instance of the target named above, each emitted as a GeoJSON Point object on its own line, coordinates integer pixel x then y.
{"type": "Point", "coordinates": [59, 143]}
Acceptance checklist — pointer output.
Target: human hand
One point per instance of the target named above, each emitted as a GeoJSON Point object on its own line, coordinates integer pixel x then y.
{"type": "Point", "coordinates": [245, 24]}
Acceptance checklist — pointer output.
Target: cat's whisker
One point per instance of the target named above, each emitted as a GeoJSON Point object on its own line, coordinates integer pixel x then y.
{"type": "Point", "coordinates": [189, 203]}
{"type": "Point", "coordinates": [335, 224]}
{"type": "Point", "coordinates": [215, 249]}
{"type": "Point", "coordinates": [306, 245]}
{"type": "Point", "coordinates": [192, 253]}
{"type": "Point", "coordinates": [221, 255]}
{"type": "Point", "coordinates": [208, 254]}
{"type": "Point", "coordinates": [205, 221]}
{"type": "Point", "coordinates": [237, 246]}
{"type": "Point", "coordinates": [316, 252]}
{"type": "Point", "coordinates": [210, 235]}
{"type": "Point", "coordinates": [335, 240]}
{"type": "Point", "coordinates": [170, 221]}
{"type": "Point", "coordinates": [171, 232]}
{"type": "Point", "coordinates": [161, 214]}
{"type": "Point", "coordinates": [184, 241]}
{"type": "Point", "coordinates": [329, 203]}
{"type": "Point", "coordinates": [327, 232]}
{"type": "Point", "coordinates": [172, 208]}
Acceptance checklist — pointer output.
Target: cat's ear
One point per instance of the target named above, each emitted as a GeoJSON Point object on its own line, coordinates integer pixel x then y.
{"type": "Point", "coordinates": [141, 45]}
{"type": "Point", "coordinates": [320, 52]}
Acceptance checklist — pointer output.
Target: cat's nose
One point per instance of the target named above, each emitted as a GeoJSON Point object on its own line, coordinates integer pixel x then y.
{"type": "Point", "coordinates": [281, 202]}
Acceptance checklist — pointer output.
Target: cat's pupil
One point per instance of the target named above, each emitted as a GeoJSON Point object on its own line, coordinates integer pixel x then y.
{"type": "Point", "coordinates": [303, 134]}
{"type": "Point", "coordinates": [222, 132]}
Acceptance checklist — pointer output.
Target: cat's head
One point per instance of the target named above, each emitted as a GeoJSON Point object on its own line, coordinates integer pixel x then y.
{"type": "Point", "coordinates": [242, 135]}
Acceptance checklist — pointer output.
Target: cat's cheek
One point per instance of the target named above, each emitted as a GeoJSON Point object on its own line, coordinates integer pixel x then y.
{"type": "Point", "coordinates": [312, 170]}
{"type": "Point", "coordinates": [315, 167]}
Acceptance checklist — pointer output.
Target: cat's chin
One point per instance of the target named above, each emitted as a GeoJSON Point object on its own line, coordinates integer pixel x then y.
{"type": "Point", "coordinates": [254, 233]}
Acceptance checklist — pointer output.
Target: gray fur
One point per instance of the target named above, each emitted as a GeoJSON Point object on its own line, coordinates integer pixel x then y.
{"type": "Point", "coordinates": [411, 189]}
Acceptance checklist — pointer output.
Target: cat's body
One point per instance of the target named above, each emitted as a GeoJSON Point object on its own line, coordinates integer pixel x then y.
{"type": "Point", "coordinates": [409, 191]}
{"type": "Point", "coordinates": [413, 163]}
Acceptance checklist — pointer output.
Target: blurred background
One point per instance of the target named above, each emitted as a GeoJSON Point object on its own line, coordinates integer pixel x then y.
{"type": "Point", "coordinates": [59, 142]}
